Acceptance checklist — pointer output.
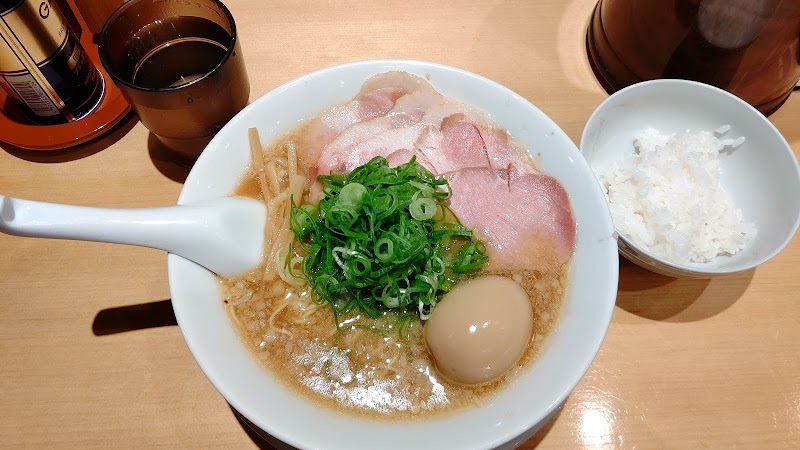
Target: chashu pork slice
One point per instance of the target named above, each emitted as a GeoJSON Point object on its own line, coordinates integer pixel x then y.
{"type": "Point", "coordinates": [376, 98]}
{"type": "Point", "coordinates": [524, 219]}
{"type": "Point", "coordinates": [399, 129]}
{"type": "Point", "coordinates": [382, 144]}
{"type": "Point", "coordinates": [441, 144]}
{"type": "Point", "coordinates": [462, 142]}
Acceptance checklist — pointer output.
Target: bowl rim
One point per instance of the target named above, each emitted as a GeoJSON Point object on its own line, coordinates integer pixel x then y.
{"type": "Point", "coordinates": [608, 298]}
{"type": "Point", "coordinates": [685, 269]}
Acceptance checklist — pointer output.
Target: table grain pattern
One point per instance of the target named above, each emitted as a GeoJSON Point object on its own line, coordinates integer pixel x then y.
{"type": "Point", "coordinates": [91, 356]}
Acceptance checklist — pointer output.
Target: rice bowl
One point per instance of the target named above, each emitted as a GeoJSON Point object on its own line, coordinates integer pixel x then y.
{"type": "Point", "coordinates": [761, 173]}
{"type": "Point", "coordinates": [508, 418]}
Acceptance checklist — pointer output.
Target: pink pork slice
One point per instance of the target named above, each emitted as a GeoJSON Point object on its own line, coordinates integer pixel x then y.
{"type": "Point", "coordinates": [463, 142]}
{"type": "Point", "coordinates": [456, 145]}
{"type": "Point", "coordinates": [399, 129]}
{"type": "Point", "coordinates": [441, 144]}
{"type": "Point", "coordinates": [375, 99]}
{"type": "Point", "coordinates": [525, 221]}
{"type": "Point", "coordinates": [382, 144]}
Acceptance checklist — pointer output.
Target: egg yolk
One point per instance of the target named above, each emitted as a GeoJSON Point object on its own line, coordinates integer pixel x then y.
{"type": "Point", "coordinates": [480, 329]}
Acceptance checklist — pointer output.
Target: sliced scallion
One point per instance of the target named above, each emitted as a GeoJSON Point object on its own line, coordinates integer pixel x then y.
{"type": "Point", "coordinates": [383, 238]}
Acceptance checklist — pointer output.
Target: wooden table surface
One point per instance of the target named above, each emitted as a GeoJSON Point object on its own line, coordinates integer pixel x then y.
{"type": "Point", "coordinates": [91, 355]}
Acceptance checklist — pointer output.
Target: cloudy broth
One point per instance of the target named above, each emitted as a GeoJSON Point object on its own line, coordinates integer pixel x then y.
{"type": "Point", "coordinates": [375, 368]}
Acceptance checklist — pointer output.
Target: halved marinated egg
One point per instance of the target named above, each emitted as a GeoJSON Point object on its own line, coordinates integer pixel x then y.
{"type": "Point", "coordinates": [480, 329]}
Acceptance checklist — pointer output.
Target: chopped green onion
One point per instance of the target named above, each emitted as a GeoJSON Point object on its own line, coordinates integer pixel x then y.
{"type": "Point", "coordinates": [382, 238]}
{"type": "Point", "coordinates": [391, 302]}
{"type": "Point", "coordinates": [422, 208]}
{"type": "Point", "coordinates": [384, 249]}
{"type": "Point", "coordinates": [351, 195]}
{"type": "Point", "coordinates": [304, 219]}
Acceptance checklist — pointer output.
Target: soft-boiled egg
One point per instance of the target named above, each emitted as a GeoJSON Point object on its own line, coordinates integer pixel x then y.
{"type": "Point", "coordinates": [480, 329]}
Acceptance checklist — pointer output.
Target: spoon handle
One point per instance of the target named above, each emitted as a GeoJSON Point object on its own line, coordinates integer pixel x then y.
{"type": "Point", "coordinates": [197, 232]}
{"type": "Point", "coordinates": [148, 227]}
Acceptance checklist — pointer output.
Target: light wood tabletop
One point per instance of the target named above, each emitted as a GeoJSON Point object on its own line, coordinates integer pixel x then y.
{"type": "Point", "coordinates": [92, 357]}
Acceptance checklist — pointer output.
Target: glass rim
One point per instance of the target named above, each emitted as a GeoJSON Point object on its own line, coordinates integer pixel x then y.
{"type": "Point", "coordinates": [104, 57]}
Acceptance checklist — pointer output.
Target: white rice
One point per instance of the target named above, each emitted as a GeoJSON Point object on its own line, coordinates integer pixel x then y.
{"type": "Point", "coordinates": [666, 196]}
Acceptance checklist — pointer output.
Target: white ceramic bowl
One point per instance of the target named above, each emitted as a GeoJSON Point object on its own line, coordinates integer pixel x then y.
{"type": "Point", "coordinates": [512, 415]}
{"type": "Point", "coordinates": [762, 174]}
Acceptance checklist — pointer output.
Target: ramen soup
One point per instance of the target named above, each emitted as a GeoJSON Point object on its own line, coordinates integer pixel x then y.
{"type": "Point", "coordinates": [407, 363]}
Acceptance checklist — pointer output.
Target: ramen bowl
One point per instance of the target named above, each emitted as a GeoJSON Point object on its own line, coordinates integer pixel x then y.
{"type": "Point", "coordinates": [506, 419]}
{"type": "Point", "coordinates": [761, 174]}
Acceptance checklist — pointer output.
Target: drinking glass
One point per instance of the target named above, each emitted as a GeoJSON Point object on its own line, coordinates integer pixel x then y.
{"type": "Point", "coordinates": [180, 66]}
